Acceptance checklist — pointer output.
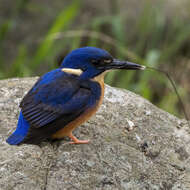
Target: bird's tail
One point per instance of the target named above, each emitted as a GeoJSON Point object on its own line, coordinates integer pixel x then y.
{"type": "Point", "coordinates": [20, 133]}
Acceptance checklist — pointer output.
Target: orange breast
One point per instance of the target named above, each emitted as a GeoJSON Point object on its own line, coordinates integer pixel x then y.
{"type": "Point", "coordinates": [82, 118]}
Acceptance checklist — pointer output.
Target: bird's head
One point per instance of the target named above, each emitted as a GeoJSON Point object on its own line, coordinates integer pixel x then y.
{"type": "Point", "coordinates": [91, 62]}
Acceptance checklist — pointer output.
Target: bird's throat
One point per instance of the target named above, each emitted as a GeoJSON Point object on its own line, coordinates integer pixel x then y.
{"type": "Point", "coordinates": [100, 78]}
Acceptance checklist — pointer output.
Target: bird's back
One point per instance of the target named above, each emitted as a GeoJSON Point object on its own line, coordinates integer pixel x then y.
{"type": "Point", "coordinates": [51, 106]}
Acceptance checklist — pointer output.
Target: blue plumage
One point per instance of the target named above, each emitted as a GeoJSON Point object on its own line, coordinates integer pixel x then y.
{"type": "Point", "coordinates": [55, 95]}
{"type": "Point", "coordinates": [83, 58]}
{"type": "Point", "coordinates": [63, 99]}
{"type": "Point", "coordinates": [20, 133]}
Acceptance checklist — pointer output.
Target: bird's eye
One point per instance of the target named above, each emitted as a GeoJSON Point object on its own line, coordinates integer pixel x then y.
{"type": "Point", "coordinates": [101, 62]}
{"type": "Point", "coordinates": [95, 61]}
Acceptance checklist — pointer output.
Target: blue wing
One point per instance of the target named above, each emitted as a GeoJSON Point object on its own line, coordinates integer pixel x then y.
{"type": "Point", "coordinates": [57, 96]}
{"type": "Point", "coordinates": [20, 132]}
{"type": "Point", "coordinates": [52, 98]}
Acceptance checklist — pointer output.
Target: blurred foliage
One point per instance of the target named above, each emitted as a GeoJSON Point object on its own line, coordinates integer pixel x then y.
{"type": "Point", "coordinates": [153, 40]}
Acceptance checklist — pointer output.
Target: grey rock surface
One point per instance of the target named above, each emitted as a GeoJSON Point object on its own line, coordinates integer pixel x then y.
{"type": "Point", "coordinates": [134, 145]}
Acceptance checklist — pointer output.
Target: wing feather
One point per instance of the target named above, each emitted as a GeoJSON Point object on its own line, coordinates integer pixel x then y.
{"type": "Point", "coordinates": [59, 97]}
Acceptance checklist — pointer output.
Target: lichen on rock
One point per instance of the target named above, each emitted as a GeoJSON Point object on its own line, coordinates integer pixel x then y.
{"type": "Point", "coordinates": [153, 155]}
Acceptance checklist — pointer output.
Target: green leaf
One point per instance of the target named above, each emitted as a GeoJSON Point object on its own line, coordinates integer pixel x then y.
{"type": "Point", "coordinates": [61, 23]}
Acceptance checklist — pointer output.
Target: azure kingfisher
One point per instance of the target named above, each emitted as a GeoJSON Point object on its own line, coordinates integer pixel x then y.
{"type": "Point", "coordinates": [64, 98]}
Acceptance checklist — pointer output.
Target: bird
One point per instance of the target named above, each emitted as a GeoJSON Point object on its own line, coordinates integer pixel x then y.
{"type": "Point", "coordinates": [66, 97]}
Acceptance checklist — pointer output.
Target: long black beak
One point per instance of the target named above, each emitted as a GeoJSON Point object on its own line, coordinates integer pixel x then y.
{"type": "Point", "coordinates": [117, 64]}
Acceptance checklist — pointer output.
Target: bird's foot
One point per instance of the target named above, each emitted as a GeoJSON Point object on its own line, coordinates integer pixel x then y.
{"type": "Point", "coordinates": [77, 141]}
{"type": "Point", "coordinates": [80, 142]}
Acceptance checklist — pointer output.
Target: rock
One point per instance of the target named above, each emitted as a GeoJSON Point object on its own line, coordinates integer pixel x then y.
{"type": "Point", "coordinates": [153, 155]}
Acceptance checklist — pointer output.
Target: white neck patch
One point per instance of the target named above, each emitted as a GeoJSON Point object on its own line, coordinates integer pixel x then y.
{"type": "Point", "coordinates": [72, 71]}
